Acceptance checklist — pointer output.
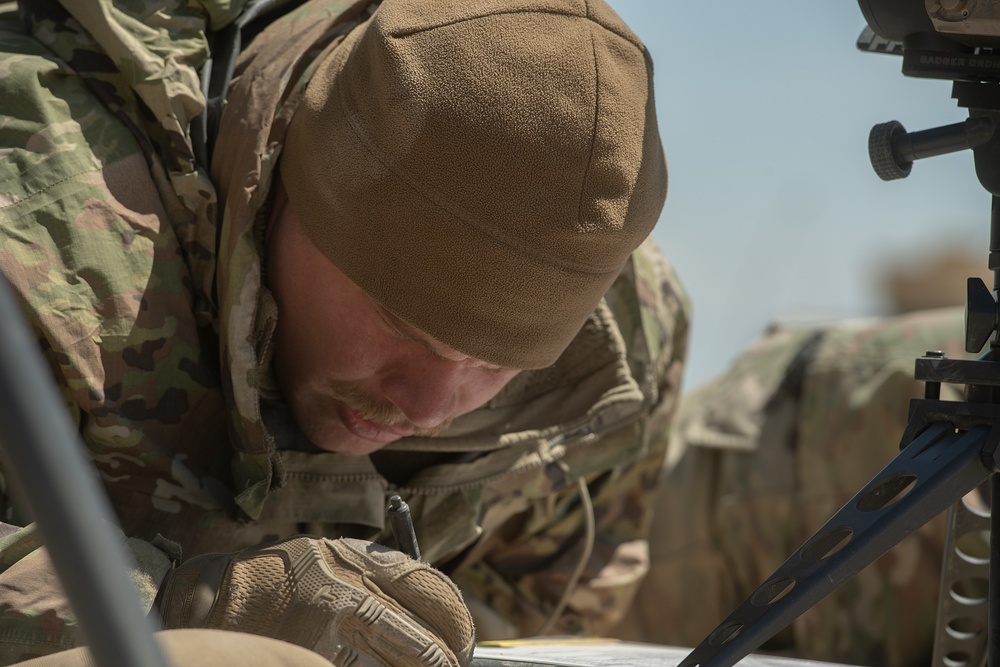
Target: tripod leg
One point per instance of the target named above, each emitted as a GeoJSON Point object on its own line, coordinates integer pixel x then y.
{"type": "Point", "coordinates": [962, 618]}
{"type": "Point", "coordinates": [940, 465]}
{"type": "Point", "coordinates": [993, 616]}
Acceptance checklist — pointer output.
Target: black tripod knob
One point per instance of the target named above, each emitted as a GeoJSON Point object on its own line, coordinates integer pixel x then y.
{"type": "Point", "coordinates": [888, 164]}
{"type": "Point", "coordinates": [892, 149]}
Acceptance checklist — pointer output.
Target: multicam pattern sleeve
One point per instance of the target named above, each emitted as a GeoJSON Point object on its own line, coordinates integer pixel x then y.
{"type": "Point", "coordinates": [105, 273]}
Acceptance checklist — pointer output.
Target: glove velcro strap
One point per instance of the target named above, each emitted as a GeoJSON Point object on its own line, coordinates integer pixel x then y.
{"type": "Point", "coordinates": [191, 592]}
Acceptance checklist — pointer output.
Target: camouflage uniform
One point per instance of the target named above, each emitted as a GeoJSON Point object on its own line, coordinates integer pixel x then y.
{"type": "Point", "coordinates": [141, 275]}
{"type": "Point", "coordinates": [766, 453]}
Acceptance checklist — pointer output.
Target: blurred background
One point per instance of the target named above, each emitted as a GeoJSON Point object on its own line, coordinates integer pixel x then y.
{"type": "Point", "coordinates": [774, 214]}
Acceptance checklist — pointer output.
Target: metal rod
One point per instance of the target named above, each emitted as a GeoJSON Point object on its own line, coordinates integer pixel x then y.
{"type": "Point", "coordinates": [972, 132]}
{"type": "Point", "coordinates": [994, 257]}
{"type": "Point", "coordinates": [993, 615]}
{"type": "Point", "coordinates": [60, 484]}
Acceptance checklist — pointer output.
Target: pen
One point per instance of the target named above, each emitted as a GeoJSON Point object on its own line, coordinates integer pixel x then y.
{"type": "Point", "coordinates": [402, 527]}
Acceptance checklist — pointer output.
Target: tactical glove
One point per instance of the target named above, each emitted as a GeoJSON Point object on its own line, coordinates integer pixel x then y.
{"type": "Point", "coordinates": [351, 601]}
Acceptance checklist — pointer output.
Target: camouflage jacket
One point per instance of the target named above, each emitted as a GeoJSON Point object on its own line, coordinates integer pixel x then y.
{"type": "Point", "coordinates": [140, 272]}
{"type": "Point", "coordinates": [762, 456]}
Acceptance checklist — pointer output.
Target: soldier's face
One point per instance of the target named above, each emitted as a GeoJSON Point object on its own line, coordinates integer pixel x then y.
{"type": "Point", "coordinates": [356, 377]}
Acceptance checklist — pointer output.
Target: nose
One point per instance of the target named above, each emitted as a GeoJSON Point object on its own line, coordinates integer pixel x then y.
{"type": "Point", "coordinates": [426, 391]}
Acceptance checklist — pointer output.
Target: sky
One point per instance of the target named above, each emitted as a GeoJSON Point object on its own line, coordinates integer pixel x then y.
{"type": "Point", "coordinates": [773, 212]}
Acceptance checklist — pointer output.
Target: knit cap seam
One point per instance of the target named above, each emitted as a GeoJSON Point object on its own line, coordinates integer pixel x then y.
{"type": "Point", "coordinates": [593, 131]}
{"type": "Point", "coordinates": [409, 32]}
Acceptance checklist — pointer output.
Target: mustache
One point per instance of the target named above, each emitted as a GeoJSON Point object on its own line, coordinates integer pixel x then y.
{"type": "Point", "coordinates": [382, 413]}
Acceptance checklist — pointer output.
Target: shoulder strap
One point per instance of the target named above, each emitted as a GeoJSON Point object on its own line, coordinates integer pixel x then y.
{"type": "Point", "coordinates": [224, 49]}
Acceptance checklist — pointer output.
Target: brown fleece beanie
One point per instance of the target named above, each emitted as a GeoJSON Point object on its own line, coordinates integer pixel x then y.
{"type": "Point", "coordinates": [481, 168]}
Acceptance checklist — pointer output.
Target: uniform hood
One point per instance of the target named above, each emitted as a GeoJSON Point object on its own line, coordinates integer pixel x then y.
{"type": "Point", "coordinates": [266, 87]}
{"type": "Point", "coordinates": [590, 387]}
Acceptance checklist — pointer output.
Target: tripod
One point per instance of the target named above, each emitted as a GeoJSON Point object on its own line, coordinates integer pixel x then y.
{"type": "Point", "coordinates": [948, 449]}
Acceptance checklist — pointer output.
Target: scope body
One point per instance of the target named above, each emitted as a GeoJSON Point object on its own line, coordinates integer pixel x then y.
{"type": "Point", "coordinates": [968, 24]}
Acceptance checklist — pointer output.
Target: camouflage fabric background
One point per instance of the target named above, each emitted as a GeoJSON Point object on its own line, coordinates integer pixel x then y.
{"type": "Point", "coordinates": [762, 456]}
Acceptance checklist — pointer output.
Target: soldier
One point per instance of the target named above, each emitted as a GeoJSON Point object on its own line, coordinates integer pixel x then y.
{"type": "Point", "coordinates": [415, 263]}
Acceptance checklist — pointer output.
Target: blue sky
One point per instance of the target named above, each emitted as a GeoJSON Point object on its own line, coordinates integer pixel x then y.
{"type": "Point", "coordinates": [773, 211]}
